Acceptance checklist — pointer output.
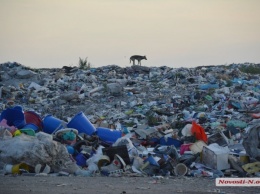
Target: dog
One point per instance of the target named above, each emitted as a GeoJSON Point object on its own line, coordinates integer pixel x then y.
{"type": "Point", "coordinates": [138, 58]}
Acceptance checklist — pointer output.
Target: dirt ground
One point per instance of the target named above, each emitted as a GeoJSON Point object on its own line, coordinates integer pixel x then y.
{"type": "Point", "coordinates": [120, 185]}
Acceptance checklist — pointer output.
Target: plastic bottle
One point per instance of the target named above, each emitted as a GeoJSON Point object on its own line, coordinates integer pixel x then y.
{"type": "Point", "coordinates": [81, 172]}
{"type": "Point", "coordinates": [196, 173]}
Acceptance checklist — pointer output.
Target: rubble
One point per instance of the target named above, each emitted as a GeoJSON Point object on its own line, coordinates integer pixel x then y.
{"type": "Point", "coordinates": [133, 121]}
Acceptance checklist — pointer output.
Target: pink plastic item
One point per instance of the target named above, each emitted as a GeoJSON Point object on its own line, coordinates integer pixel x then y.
{"type": "Point", "coordinates": [3, 123]}
{"type": "Point", "coordinates": [184, 147]}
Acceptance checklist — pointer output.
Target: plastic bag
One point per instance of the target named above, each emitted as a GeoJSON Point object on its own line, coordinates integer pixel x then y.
{"type": "Point", "coordinates": [199, 132]}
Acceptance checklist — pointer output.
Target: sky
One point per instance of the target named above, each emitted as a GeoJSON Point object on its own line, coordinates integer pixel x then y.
{"type": "Point", "coordinates": [173, 33]}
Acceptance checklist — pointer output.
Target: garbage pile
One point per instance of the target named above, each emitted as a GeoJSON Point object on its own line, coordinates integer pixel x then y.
{"type": "Point", "coordinates": [133, 121]}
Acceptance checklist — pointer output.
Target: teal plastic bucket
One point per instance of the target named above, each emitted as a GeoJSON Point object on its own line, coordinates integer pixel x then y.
{"type": "Point", "coordinates": [50, 124]}
{"type": "Point", "coordinates": [31, 126]}
{"type": "Point", "coordinates": [108, 135]}
{"type": "Point", "coordinates": [82, 124]}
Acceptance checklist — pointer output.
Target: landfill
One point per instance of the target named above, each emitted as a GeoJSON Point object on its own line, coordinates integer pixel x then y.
{"type": "Point", "coordinates": [133, 121]}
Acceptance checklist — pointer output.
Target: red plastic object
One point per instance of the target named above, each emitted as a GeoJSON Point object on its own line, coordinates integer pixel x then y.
{"type": "Point", "coordinates": [256, 116]}
{"type": "Point", "coordinates": [199, 132]}
{"type": "Point", "coordinates": [32, 117]}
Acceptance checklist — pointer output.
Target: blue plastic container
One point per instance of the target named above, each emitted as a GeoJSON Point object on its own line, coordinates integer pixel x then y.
{"type": "Point", "coordinates": [50, 124]}
{"type": "Point", "coordinates": [154, 141]}
{"type": "Point", "coordinates": [70, 149]}
{"type": "Point", "coordinates": [108, 135]}
{"type": "Point", "coordinates": [18, 107]}
{"type": "Point", "coordinates": [14, 117]}
{"type": "Point", "coordinates": [170, 141]}
{"type": "Point", "coordinates": [81, 160]}
{"type": "Point", "coordinates": [82, 124]}
{"type": "Point", "coordinates": [31, 126]}
{"type": "Point", "coordinates": [152, 161]}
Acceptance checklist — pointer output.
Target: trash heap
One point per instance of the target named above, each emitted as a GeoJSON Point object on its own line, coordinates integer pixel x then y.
{"type": "Point", "coordinates": [133, 121]}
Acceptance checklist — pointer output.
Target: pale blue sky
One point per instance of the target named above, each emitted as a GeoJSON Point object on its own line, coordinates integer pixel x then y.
{"type": "Point", "coordinates": [175, 33]}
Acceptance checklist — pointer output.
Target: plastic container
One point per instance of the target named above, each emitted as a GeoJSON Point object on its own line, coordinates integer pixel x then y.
{"type": "Point", "coordinates": [81, 160]}
{"type": "Point", "coordinates": [180, 169]}
{"type": "Point", "coordinates": [31, 126]}
{"type": "Point", "coordinates": [51, 124]}
{"type": "Point", "coordinates": [152, 161]}
{"type": "Point", "coordinates": [103, 160]}
{"type": "Point", "coordinates": [70, 149]}
{"type": "Point", "coordinates": [108, 135]}
{"type": "Point", "coordinates": [16, 169]}
{"type": "Point", "coordinates": [82, 124]}
{"type": "Point", "coordinates": [14, 117]}
{"type": "Point", "coordinates": [117, 150]}
{"type": "Point", "coordinates": [18, 107]}
{"type": "Point", "coordinates": [30, 132]}
{"type": "Point", "coordinates": [170, 141]}
{"type": "Point", "coordinates": [184, 147]}
{"type": "Point", "coordinates": [8, 168]}
{"type": "Point", "coordinates": [196, 173]}
{"type": "Point", "coordinates": [244, 159]}
{"type": "Point", "coordinates": [197, 147]}
{"type": "Point", "coordinates": [32, 117]}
